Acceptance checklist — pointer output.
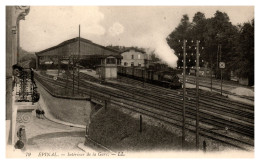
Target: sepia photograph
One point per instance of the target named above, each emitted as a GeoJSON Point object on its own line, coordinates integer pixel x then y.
{"type": "Point", "coordinates": [129, 81]}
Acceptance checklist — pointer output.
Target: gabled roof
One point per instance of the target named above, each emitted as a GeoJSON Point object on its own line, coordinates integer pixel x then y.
{"type": "Point", "coordinates": [75, 40]}
{"type": "Point", "coordinates": [135, 49]}
{"type": "Point", "coordinates": [104, 56]}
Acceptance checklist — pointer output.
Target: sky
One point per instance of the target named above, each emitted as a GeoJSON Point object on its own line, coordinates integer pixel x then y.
{"type": "Point", "coordinates": [145, 27]}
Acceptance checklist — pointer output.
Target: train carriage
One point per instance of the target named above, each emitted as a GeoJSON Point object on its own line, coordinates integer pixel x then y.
{"type": "Point", "coordinates": [138, 73]}
{"type": "Point", "coordinates": [167, 79]}
{"type": "Point", "coordinates": [120, 70]}
{"type": "Point", "coordinates": [129, 71]}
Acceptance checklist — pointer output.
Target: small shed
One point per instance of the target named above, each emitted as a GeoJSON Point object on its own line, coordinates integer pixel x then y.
{"type": "Point", "coordinates": [203, 72]}
{"type": "Point", "coordinates": [108, 67]}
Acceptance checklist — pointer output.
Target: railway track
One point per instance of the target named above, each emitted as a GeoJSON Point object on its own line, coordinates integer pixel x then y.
{"type": "Point", "coordinates": [234, 123]}
{"type": "Point", "coordinates": [235, 116]}
{"type": "Point", "coordinates": [149, 106]}
{"type": "Point", "coordinates": [246, 115]}
{"type": "Point", "coordinates": [207, 84]}
{"type": "Point", "coordinates": [191, 92]}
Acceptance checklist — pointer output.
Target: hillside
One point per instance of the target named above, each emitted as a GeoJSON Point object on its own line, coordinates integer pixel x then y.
{"type": "Point", "coordinates": [27, 59]}
{"type": "Point", "coordinates": [25, 55]}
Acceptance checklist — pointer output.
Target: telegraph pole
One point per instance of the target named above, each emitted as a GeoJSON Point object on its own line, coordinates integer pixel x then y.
{"type": "Point", "coordinates": [221, 82]}
{"type": "Point", "coordinates": [184, 92]}
{"type": "Point", "coordinates": [73, 65]}
{"type": "Point", "coordinates": [67, 82]}
{"type": "Point", "coordinates": [197, 96]}
{"type": "Point", "coordinates": [220, 69]}
{"type": "Point", "coordinates": [217, 63]}
{"type": "Point", "coordinates": [211, 67]}
{"type": "Point", "coordinates": [58, 65]}
{"type": "Point", "coordinates": [78, 59]}
{"type": "Point", "coordinates": [143, 76]}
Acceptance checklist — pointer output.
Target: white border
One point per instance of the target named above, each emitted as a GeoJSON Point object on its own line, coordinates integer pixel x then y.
{"type": "Point", "coordinates": [3, 3]}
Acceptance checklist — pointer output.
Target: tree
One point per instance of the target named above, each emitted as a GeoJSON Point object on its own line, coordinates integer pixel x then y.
{"type": "Point", "coordinates": [32, 63]}
{"type": "Point", "coordinates": [198, 17]}
{"type": "Point", "coordinates": [175, 38]}
{"type": "Point", "coordinates": [211, 32]}
{"type": "Point", "coordinates": [220, 32]}
{"type": "Point", "coordinates": [244, 56]}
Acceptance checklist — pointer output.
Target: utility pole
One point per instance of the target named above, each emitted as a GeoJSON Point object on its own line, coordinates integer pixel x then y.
{"type": "Point", "coordinates": [217, 62]}
{"type": "Point", "coordinates": [78, 59]}
{"type": "Point", "coordinates": [73, 65]}
{"type": "Point", "coordinates": [197, 96]}
{"type": "Point", "coordinates": [58, 65]}
{"type": "Point", "coordinates": [143, 76]}
{"type": "Point", "coordinates": [67, 82]}
{"type": "Point", "coordinates": [211, 65]}
{"type": "Point", "coordinates": [184, 92]}
{"type": "Point", "coordinates": [220, 69]}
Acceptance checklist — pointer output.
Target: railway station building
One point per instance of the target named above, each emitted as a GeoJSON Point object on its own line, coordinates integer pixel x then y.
{"type": "Point", "coordinates": [135, 58]}
{"type": "Point", "coordinates": [80, 52]}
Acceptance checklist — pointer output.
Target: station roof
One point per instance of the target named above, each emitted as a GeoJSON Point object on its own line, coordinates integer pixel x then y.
{"type": "Point", "coordinates": [135, 49]}
{"type": "Point", "coordinates": [72, 41]}
{"type": "Point", "coordinates": [103, 56]}
{"type": "Point", "coordinates": [94, 56]}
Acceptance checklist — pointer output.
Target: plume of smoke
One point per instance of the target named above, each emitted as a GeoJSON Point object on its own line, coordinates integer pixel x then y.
{"type": "Point", "coordinates": [164, 52]}
{"type": "Point", "coordinates": [157, 43]}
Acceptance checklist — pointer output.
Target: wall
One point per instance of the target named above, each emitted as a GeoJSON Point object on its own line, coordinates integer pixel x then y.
{"type": "Point", "coordinates": [13, 15]}
{"type": "Point", "coordinates": [243, 81]}
{"type": "Point", "coordinates": [109, 72]}
{"type": "Point", "coordinates": [127, 57]}
{"type": "Point", "coordinates": [10, 58]}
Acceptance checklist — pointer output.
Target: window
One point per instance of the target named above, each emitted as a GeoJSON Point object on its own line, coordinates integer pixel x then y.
{"type": "Point", "coordinates": [125, 63]}
{"type": "Point", "coordinates": [132, 56]}
{"type": "Point", "coordinates": [139, 64]}
{"type": "Point", "coordinates": [132, 64]}
{"type": "Point", "coordinates": [111, 61]}
{"type": "Point", "coordinates": [139, 56]}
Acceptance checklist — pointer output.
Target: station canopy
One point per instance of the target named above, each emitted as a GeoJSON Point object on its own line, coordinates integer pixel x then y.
{"type": "Point", "coordinates": [70, 48]}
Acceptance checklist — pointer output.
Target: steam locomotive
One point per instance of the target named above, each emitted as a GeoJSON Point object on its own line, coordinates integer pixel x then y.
{"type": "Point", "coordinates": [168, 79]}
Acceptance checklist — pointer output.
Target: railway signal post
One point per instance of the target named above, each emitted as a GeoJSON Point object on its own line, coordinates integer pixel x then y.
{"type": "Point", "coordinates": [197, 95]}
{"type": "Point", "coordinates": [184, 91]}
{"type": "Point", "coordinates": [221, 66]}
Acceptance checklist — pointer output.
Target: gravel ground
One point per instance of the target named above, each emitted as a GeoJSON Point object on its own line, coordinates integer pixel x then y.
{"type": "Point", "coordinates": [44, 136]}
